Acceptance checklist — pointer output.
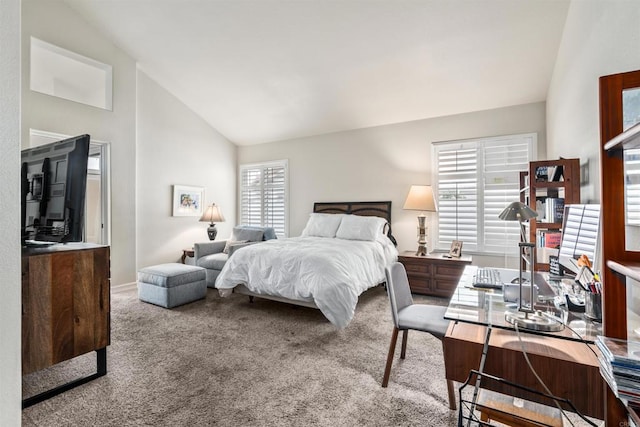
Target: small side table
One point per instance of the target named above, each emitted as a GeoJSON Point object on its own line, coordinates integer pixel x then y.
{"type": "Point", "coordinates": [187, 253]}
{"type": "Point", "coordinates": [433, 274]}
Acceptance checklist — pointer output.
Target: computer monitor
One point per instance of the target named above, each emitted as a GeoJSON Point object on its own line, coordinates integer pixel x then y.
{"type": "Point", "coordinates": [53, 190]}
{"type": "Point", "coordinates": [580, 235]}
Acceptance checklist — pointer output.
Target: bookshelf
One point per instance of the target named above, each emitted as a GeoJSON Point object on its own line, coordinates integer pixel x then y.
{"type": "Point", "coordinates": [621, 272]}
{"type": "Point", "coordinates": [547, 187]}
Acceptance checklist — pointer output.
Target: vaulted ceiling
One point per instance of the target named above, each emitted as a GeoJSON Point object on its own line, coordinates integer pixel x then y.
{"type": "Point", "coordinates": [266, 70]}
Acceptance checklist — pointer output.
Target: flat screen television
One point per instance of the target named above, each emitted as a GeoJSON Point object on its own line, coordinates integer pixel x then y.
{"type": "Point", "coordinates": [53, 191]}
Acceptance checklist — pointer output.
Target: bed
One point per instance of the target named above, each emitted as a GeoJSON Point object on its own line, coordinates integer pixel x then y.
{"type": "Point", "coordinates": [341, 253]}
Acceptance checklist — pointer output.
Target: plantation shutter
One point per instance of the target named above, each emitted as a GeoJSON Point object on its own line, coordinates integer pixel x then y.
{"type": "Point", "coordinates": [475, 181]}
{"type": "Point", "coordinates": [263, 196]}
{"type": "Point", "coordinates": [503, 162]}
{"type": "Point", "coordinates": [457, 195]}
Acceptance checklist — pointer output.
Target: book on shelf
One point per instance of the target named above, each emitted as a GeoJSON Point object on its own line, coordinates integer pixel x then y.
{"type": "Point", "coordinates": [554, 209]}
{"type": "Point", "coordinates": [555, 173]}
{"type": "Point", "coordinates": [541, 174]}
{"type": "Point", "coordinates": [549, 238]}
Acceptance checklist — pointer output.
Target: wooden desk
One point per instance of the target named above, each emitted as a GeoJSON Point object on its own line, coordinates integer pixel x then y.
{"type": "Point", "coordinates": [568, 368]}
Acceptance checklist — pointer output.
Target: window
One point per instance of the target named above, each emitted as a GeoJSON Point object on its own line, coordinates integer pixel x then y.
{"type": "Point", "coordinates": [475, 180]}
{"type": "Point", "coordinates": [59, 72]}
{"type": "Point", "coordinates": [263, 195]}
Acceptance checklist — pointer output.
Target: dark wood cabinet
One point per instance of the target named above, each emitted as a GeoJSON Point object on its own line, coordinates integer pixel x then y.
{"type": "Point", "coordinates": [65, 303]}
{"type": "Point", "coordinates": [619, 248]}
{"type": "Point", "coordinates": [433, 274]}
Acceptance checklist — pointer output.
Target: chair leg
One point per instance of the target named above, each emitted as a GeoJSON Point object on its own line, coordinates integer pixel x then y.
{"type": "Point", "coordinates": [392, 350]}
{"type": "Point", "coordinates": [405, 334]}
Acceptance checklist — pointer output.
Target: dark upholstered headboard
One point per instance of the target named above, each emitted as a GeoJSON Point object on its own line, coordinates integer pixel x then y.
{"type": "Point", "coordinates": [381, 209]}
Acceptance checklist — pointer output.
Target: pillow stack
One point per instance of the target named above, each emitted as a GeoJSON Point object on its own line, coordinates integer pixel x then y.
{"type": "Point", "coordinates": [341, 226]}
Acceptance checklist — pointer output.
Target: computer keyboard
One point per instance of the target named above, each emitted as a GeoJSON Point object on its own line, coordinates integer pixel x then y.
{"type": "Point", "coordinates": [487, 278]}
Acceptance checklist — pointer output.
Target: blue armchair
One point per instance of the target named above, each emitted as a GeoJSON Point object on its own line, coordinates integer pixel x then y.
{"type": "Point", "coordinates": [213, 255]}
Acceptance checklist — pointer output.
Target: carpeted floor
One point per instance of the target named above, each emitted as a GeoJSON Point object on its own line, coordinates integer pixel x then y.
{"type": "Point", "coordinates": [231, 363]}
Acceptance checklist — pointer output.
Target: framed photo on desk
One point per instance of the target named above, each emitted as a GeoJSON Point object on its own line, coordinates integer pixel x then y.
{"type": "Point", "coordinates": [456, 249]}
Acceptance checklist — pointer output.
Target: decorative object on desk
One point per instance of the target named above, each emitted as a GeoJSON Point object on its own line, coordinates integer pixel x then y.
{"type": "Point", "coordinates": [555, 269]}
{"type": "Point", "coordinates": [585, 277]}
{"type": "Point", "coordinates": [526, 316]}
{"type": "Point", "coordinates": [187, 200]}
{"type": "Point", "coordinates": [212, 215]}
{"type": "Point", "coordinates": [420, 198]}
{"type": "Point", "coordinates": [456, 249]}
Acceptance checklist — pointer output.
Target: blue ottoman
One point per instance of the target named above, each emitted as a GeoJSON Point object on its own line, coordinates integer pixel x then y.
{"type": "Point", "coordinates": [170, 285]}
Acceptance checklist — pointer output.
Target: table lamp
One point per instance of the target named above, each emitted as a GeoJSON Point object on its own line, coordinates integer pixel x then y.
{"type": "Point", "coordinates": [212, 214]}
{"type": "Point", "coordinates": [420, 198]}
{"type": "Point", "coordinates": [526, 316]}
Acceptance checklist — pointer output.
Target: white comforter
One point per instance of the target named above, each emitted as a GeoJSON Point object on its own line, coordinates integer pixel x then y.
{"type": "Point", "coordinates": [328, 271]}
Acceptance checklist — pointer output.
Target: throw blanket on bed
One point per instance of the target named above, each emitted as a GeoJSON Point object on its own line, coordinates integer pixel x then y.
{"type": "Point", "coordinates": [328, 271]}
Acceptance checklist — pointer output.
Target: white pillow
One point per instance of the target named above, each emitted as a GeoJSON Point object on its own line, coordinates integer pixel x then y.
{"type": "Point", "coordinates": [322, 225]}
{"type": "Point", "coordinates": [354, 227]}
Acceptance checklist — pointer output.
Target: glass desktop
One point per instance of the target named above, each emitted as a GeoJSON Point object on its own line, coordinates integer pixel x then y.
{"type": "Point", "coordinates": [487, 307]}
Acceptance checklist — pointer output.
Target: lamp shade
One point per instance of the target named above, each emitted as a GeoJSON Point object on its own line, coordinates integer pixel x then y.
{"type": "Point", "coordinates": [420, 198]}
{"type": "Point", "coordinates": [517, 211]}
{"type": "Point", "coordinates": [212, 214]}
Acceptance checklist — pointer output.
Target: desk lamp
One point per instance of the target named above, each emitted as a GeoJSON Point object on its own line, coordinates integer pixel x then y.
{"type": "Point", "coordinates": [420, 198]}
{"type": "Point", "coordinates": [526, 316]}
{"type": "Point", "coordinates": [212, 214]}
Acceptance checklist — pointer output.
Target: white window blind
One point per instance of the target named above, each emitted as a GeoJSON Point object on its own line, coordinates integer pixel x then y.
{"type": "Point", "coordinates": [263, 195]}
{"type": "Point", "coordinates": [475, 180]}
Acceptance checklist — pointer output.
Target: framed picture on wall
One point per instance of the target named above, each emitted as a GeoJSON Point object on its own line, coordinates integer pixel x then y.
{"type": "Point", "coordinates": [187, 200]}
{"type": "Point", "coordinates": [456, 249]}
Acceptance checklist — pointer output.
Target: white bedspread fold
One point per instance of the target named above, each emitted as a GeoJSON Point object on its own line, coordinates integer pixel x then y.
{"type": "Point", "coordinates": [330, 272]}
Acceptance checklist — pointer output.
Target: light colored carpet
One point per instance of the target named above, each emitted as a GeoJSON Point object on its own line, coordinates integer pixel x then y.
{"type": "Point", "coordinates": [227, 362]}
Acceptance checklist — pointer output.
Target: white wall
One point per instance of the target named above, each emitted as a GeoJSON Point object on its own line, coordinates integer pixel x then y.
{"type": "Point", "coordinates": [381, 163]}
{"type": "Point", "coordinates": [174, 146]}
{"type": "Point", "coordinates": [10, 350]}
{"type": "Point", "coordinates": [54, 22]}
{"type": "Point", "coordinates": [600, 38]}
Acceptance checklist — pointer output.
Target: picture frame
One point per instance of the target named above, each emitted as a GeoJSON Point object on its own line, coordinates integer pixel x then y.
{"type": "Point", "coordinates": [456, 249]}
{"type": "Point", "coordinates": [188, 200]}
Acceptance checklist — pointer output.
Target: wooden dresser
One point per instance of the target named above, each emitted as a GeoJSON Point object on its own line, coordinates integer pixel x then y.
{"type": "Point", "coordinates": [433, 274]}
{"type": "Point", "coordinates": [65, 305]}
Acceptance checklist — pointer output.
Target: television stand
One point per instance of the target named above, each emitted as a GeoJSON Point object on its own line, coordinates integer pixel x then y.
{"type": "Point", "coordinates": [65, 309]}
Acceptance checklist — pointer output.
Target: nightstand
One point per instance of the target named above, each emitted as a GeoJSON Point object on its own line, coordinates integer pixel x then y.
{"type": "Point", "coordinates": [433, 274]}
{"type": "Point", "coordinates": [187, 253]}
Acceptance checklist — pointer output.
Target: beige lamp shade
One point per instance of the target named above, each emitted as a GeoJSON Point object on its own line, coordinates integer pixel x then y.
{"type": "Point", "coordinates": [420, 198]}
{"type": "Point", "coordinates": [212, 214]}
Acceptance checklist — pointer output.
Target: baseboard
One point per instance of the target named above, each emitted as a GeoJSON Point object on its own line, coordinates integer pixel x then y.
{"type": "Point", "coordinates": [125, 287]}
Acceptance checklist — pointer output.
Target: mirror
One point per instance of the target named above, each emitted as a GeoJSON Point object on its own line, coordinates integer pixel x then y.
{"type": "Point", "coordinates": [631, 116]}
